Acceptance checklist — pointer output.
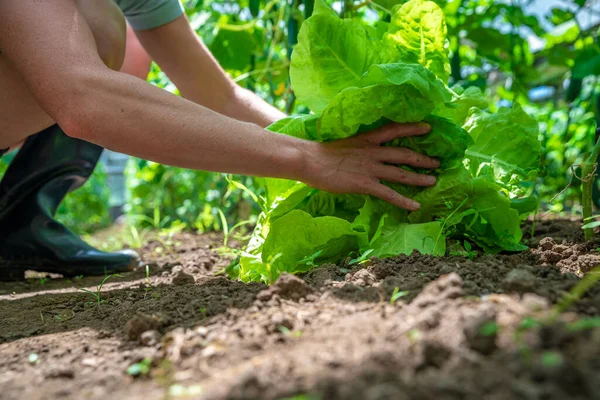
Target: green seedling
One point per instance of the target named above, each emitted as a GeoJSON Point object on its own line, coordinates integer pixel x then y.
{"type": "Point", "coordinates": [396, 294]}
{"type": "Point", "coordinates": [310, 260]}
{"type": "Point", "coordinates": [140, 369]}
{"type": "Point", "coordinates": [489, 329]}
{"type": "Point", "coordinates": [97, 293]}
{"type": "Point", "coordinates": [43, 281]}
{"type": "Point", "coordinates": [528, 323]}
{"type": "Point", "coordinates": [467, 252]}
{"type": "Point", "coordinates": [290, 333]}
{"type": "Point", "coordinates": [584, 324]}
{"type": "Point", "coordinates": [471, 254]}
{"type": "Point", "coordinates": [552, 359]}
{"type": "Point", "coordinates": [361, 259]}
{"type": "Point", "coordinates": [148, 286]}
{"type": "Point", "coordinates": [227, 231]}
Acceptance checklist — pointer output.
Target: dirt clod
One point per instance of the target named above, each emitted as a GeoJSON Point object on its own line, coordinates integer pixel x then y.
{"type": "Point", "coordinates": [361, 277]}
{"type": "Point", "coordinates": [60, 371]}
{"type": "Point", "coordinates": [520, 281]}
{"type": "Point", "coordinates": [445, 288]}
{"type": "Point", "coordinates": [183, 279]}
{"type": "Point", "coordinates": [142, 323]}
{"type": "Point", "coordinates": [286, 287]}
{"type": "Point", "coordinates": [481, 330]}
{"type": "Point", "coordinates": [150, 338]}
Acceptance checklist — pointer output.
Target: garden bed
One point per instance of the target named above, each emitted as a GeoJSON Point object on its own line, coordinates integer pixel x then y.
{"type": "Point", "coordinates": [458, 328]}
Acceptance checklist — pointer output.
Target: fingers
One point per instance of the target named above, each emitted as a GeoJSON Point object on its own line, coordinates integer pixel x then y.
{"type": "Point", "coordinates": [391, 196]}
{"type": "Point", "coordinates": [393, 131]}
{"type": "Point", "coordinates": [400, 155]}
{"type": "Point", "coordinates": [397, 175]}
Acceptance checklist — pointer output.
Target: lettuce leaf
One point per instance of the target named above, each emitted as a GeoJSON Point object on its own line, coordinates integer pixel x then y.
{"type": "Point", "coordinates": [331, 55]}
{"type": "Point", "coordinates": [417, 33]}
{"type": "Point", "coordinates": [383, 92]}
{"type": "Point", "coordinates": [458, 109]}
{"type": "Point", "coordinates": [477, 204]}
{"type": "Point", "coordinates": [507, 142]}
{"type": "Point", "coordinates": [296, 236]}
{"type": "Point", "coordinates": [397, 237]}
{"type": "Point", "coordinates": [446, 142]}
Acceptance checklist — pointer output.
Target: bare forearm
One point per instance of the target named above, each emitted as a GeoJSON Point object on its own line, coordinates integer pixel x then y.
{"type": "Point", "coordinates": [247, 106]}
{"type": "Point", "coordinates": [192, 68]}
{"type": "Point", "coordinates": [127, 115]}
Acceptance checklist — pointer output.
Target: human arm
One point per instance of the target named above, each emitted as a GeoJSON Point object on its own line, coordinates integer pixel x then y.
{"type": "Point", "coordinates": [180, 53]}
{"type": "Point", "coordinates": [53, 50]}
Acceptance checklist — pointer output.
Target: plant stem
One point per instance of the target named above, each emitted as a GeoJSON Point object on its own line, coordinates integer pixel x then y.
{"type": "Point", "coordinates": [587, 176]}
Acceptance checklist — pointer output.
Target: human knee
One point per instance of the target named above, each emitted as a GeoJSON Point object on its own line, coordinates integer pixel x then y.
{"type": "Point", "coordinates": [108, 26]}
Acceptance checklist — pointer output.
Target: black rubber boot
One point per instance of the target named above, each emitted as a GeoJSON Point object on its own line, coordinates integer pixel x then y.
{"type": "Point", "coordinates": [48, 166]}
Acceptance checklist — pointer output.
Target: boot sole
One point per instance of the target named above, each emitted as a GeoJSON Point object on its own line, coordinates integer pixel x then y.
{"type": "Point", "coordinates": [15, 270]}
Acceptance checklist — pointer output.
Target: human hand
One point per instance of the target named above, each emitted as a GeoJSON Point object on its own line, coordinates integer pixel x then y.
{"type": "Point", "coordinates": [358, 164]}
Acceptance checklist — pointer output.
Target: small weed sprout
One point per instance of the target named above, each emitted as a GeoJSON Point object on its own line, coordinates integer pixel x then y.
{"type": "Point", "coordinates": [467, 252]}
{"type": "Point", "coordinates": [471, 254]}
{"type": "Point", "coordinates": [361, 259]}
{"type": "Point", "coordinates": [98, 292]}
{"type": "Point", "coordinates": [227, 231]}
{"type": "Point", "coordinates": [552, 359]}
{"type": "Point", "coordinates": [310, 260]}
{"type": "Point", "coordinates": [396, 294]}
{"type": "Point", "coordinates": [140, 369]}
{"type": "Point", "coordinates": [148, 286]}
{"type": "Point", "coordinates": [287, 332]}
{"type": "Point", "coordinates": [489, 329]}
{"type": "Point", "coordinates": [203, 312]}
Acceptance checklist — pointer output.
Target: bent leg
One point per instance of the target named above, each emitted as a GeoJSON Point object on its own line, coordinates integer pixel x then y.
{"type": "Point", "coordinates": [20, 114]}
{"type": "Point", "coordinates": [49, 165]}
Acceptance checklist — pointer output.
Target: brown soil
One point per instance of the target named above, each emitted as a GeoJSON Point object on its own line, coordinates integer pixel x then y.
{"type": "Point", "coordinates": [460, 329]}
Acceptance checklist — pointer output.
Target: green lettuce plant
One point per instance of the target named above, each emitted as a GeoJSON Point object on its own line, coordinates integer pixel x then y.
{"type": "Point", "coordinates": [356, 77]}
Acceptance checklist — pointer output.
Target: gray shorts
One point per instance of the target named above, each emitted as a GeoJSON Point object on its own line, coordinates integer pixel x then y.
{"type": "Point", "coordinates": [148, 14]}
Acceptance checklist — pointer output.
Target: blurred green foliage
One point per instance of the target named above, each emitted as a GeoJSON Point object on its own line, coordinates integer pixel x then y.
{"type": "Point", "coordinates": [163, 196]}
{"type": "Point", "coordinates": [489, 48]}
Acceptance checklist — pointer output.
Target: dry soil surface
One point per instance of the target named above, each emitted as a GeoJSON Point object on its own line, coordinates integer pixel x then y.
{"type": "Point", "coordinates": [459, 328]}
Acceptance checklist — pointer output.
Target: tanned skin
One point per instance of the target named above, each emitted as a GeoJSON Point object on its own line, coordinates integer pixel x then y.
{"type": "Point", "coordinates": [52, 67]}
